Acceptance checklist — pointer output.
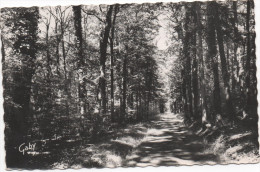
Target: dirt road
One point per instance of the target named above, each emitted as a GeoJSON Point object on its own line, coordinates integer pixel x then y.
{"type": "Point", "coordinates": [165, 141]}
{"type": "Point", "coordinates": [169, 143]}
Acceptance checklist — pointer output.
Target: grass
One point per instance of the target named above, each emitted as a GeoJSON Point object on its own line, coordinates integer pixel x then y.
{"type": "Point", "coordinates": [107, 153]}
{"type": "Point", "coordinates": [234, 147]}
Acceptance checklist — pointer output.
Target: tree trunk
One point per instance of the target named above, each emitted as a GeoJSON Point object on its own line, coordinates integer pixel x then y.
{"type": "Point", "coordinates": [123, 108]}
{"type": "Point", "coordinates": [254, 81]}
{"type": "Point", "coordinates": [112, 64]}
{"type": "Point", "coordinates": [204, 116]}
{"type": "Point", "coordinates": [49, 72]}
{"type": "Point", "coordinates": [48, 52]}
{"type": "Point", "coordinates": [79, 52]}
{"type": "Point", "coordinates": [66, 81]}
{"type": "Point", "coordinates": [78, 34]}
{"type": "Point", "coordinates": [235, 74]}
{"type": "Point", "coordinates": [3, 49]}
{"type": "Point", "coordinates": [212, 55]}
{"type": "Point", "coordinates": [103, 54]}
{"type": "Point", "coordinates": [57, 48]}
{"type": "Point", "coordinates": [225, 74]}
{"type": "Point", "coordinates": [3, 61]}
{"type": "Point", "coordinates": [194, 64]}
{"type": "Point", "coordinates": [248, 59]}
{"type": "Point", "coordinates": [187, 57]}
{"type": "Point", "coordinates": [183, 93]}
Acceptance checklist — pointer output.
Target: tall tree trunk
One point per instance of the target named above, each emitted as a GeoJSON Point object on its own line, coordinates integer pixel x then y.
{"type": "Point", "coordinates": [225, 74]}
{"type": "Point", "coordinates": [194, 64]}
{"type": "Point", "coordinates": [48, 52]}
{"type": "Point", "coordinates": [79, 46]}
{"type": "Point", "coordinates": [204, 116]}
{"type": "Point", "coordinates": [57, 53]}
{"type": "Point", "coordinates": [66, 80]}
{"type": "Point", "coordinates": [123, 107]}
{"type": "Point", "coordinates": [254, 80]}
{"type": "Point", "coordinates": [235, 78]}
{"type": "Point", "coordinates": [183, 93]}
{"type": "Point", "coordinates": [49, 72]}
{"type": "Point", "coordinates": [131, 95]}
{"type": "Point", "coordinates": [187, 57]}
{"type": "Point", "coordinates": [112, 63]}
{"type": "Point", "coordinates": [248, 60]}
{"type": "Point", "coordinates": [148, 83]}
{"type": "Point", "coordinates": [212, 55]}
{"type": "Point", "coordinates": [63, 52]}
{"type": "Point", "coordinates": [3, 60]}
{"type": "Point", "coordinates": [78, 34]}
{"type": "Point", "coordinates": [103, 57]}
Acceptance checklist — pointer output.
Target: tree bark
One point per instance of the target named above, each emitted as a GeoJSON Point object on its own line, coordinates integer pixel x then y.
{"type": "Point", "coordinates": [79, 46]}
{"type": "Point", "coordinates": [183, 93]}
{"type": "Point", "coordinates": [235, 78]}
{"type": "Point", "coordinates": [187, 57]}
{"type": "Point", "coordinates": [225, 74]}
{"type": "Point", "coordinates": [3, 61]}
{"type": "Point", "coordinates": [2, 49]}
{"type": "Point", "coordinates": [49, 72]}
{"type": "Point", "coordinates": [66, 80]}
{"type": "Point", "coordinates": [103, 57]}
{"type": "Point", "coordinates": [123, 107]}
{"type": "Point", "coordinates": [194, 64]}
{"type": "Point", "coordinates": [204, 116]}
{"type": "Point", "coordinates": [57, 53]}
{"type": "Point", "coordinates": [48, 51]}
{"type": "Point", "coordinates": [212, 55]}
{"type": "Point", "coordinates": [248, 59]}
{"type": "Point", "coordinates": [112, 63]}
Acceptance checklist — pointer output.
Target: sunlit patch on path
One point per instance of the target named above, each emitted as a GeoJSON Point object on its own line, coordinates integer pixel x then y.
{"type": "Point", "coordinates": [168, 142]}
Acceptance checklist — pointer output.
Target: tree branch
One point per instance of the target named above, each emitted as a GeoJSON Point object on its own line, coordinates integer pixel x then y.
{"type": "Point", "coordinates": [92, 14]}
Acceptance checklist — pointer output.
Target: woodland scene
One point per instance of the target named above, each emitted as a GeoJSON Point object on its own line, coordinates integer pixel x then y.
{"type": "Point", "coordinates": [130, 85]}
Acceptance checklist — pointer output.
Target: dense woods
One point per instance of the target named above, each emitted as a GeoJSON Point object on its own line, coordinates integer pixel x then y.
{"type": "Point", "coordinates": [76, 71]}
{"type": "Point", "coordinates": [216, 82]}
{"type": "Point", "coordinates": [80, 72]}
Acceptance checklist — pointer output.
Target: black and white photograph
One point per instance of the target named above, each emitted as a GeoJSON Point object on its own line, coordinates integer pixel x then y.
{"type": "Point", "coordinates": [129, 85]}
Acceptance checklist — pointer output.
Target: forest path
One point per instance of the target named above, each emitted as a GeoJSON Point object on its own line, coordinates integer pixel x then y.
{"type": "Point", "coordinates": [163, 141]}
{"type": "Point", "coordinates": [169, 142]}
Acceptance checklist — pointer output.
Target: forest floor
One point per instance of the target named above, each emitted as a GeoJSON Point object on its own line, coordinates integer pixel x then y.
{"type": "Point", "coordinates": [164, 141]}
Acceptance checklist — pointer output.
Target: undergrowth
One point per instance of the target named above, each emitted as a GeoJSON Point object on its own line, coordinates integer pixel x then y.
{"type": "Point", "coordinates": [232, 144]}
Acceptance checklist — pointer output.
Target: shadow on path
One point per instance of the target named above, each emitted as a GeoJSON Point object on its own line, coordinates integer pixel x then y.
{"type": "Point", "coordinates": [169, 143]}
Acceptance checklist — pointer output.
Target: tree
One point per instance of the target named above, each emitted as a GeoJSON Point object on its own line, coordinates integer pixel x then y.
{"type": "Point", "coordinates": [116, 9]}
{"type": "Point", "coordinates": [103, 56]}
{"type": "Point", "coordinates": [195, 90]}
{"type": "Point", "coordinates": [235, 75]}
{"type": "Point", "coordinates": [248, 59]}
{"type": "Point", "coordinates": [225, 73]}
{"type": "Point", "coordinates": [25, 31]}
{"type": "Point", "coordinates": [187, 56]}
{"type": "Point", "coordinates": [79, 47]}
{"type": "Point", "coordinates": [212, 55]}
{"type": "Point", "coordinates": [202, 66]}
